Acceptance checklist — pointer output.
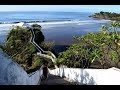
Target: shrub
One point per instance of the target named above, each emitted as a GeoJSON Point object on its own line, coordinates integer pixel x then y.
{"type": "Point", "coordinates": [47, 45]}
{"type": "Point", "coordinates": [19, 48]}
{"type": "Point", "coordinates": [101, 48]}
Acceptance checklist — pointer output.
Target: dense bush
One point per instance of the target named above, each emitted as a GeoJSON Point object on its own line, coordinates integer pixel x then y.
{"type": "Point", "coordinates": [19, 48]}
{"type": "Point", "coordinates": [107, 15]}
{"type": "Point", "coordinates": [97, 50]}
{"type": "Point", "coordinates": [47, 45]}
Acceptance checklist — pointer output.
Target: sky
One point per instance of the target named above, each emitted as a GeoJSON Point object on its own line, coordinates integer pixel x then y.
{"type": "Point", "coordinates": [64, 8]}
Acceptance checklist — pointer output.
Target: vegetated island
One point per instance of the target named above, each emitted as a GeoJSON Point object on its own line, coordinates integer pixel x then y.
{"type": "Point", "coordinates": [106, 15]}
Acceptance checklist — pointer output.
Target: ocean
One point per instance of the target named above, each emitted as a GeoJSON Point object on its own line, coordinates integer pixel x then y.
{"type": "Point", "coordinates": [59, 27]}
{"type": "Point", "coordinates": [42, 16]}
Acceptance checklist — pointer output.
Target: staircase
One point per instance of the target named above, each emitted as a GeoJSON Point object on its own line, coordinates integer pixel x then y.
{"type": "Point", "coordinates": [41, 52]}
{"type": "Point", "coordinates": [52, 79]}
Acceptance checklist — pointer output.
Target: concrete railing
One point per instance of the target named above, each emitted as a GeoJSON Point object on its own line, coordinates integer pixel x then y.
{"type": "Point", "coordinates": [13, 74]}
{"type": "Point", "coordinates": [109, 76]}
{"type": "Point", "coordinates": [41, 52]}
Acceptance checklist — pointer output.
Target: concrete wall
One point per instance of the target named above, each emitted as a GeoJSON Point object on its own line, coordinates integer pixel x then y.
{"type": "Point", "coordinates": [12, 74]}
{"type": "Point", "coordinates": [90, 76]}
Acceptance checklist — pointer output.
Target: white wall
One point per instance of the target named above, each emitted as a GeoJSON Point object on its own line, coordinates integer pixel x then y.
{"type": "Point", "coordinates": [12, 74]}
{"type": "Point", "coordinates": [90, 76]}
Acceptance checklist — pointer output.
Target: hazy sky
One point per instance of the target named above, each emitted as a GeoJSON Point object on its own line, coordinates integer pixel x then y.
{"type": "Point", "coordinates": [68, 8]}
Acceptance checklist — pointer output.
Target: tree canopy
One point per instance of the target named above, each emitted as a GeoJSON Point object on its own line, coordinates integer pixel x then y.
{"type": "Point", "coordinates": [94, 50]}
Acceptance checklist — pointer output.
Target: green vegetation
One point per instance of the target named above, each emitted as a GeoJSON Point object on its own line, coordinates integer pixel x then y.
{"type": "Point", "coordinates": [94, 50]}
{"type": "Point", "coordinates": [1, 48]}
{"type": "Point", "coordinates": [47, 45]}
{"type": "Point", "coordinates": [20, 49]}
{"type": "Point", "coordinates": [107, 15]}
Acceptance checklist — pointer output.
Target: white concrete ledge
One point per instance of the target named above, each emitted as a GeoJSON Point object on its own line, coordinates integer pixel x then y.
{"type": "Point", "coordinates": [109, 76]}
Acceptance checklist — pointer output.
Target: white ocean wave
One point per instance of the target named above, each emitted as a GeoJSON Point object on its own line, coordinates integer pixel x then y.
{"type": "Point", "coordinates": [73, 21]}
{"type": "Point", "coordinates": [46, 25]}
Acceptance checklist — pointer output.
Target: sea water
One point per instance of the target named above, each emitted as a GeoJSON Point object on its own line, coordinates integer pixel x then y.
{"type": "Point", "coordinates": [59, 27]}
